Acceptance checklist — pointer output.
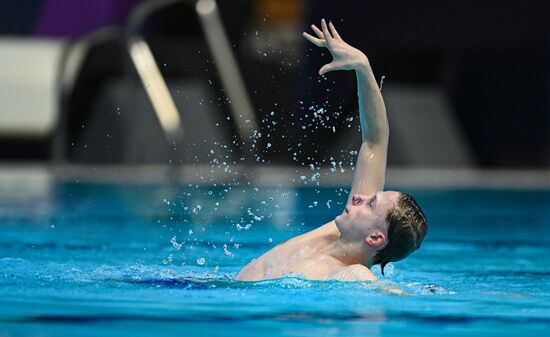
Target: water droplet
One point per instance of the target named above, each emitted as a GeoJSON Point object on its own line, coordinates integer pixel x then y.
{"type": "Point", "coordinates": [226, 252]}
{"type": "Point", "coordinates": [175, 243]}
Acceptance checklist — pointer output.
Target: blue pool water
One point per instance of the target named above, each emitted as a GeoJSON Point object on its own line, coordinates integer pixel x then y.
{"type": "Point", "coordinates": [104, 259]}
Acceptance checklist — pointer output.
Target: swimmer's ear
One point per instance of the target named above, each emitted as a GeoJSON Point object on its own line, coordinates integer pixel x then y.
{"type": "Point", "coordinates": [376, 240]}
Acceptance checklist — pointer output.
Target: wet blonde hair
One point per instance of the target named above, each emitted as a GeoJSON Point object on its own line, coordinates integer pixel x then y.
{"type": "Point", "coordinates": [406, 231]}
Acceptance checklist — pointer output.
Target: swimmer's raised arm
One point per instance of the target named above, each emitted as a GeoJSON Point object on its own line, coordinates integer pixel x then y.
{"type": "Point", "coordinates": [370, 169]}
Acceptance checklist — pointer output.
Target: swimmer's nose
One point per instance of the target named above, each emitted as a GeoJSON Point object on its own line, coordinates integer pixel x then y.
{"type": "Point", "coordinates": [356, 200]}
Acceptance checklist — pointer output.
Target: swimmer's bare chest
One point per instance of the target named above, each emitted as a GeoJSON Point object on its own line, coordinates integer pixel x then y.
{"type": "Point", "coordinates": [265, 268]}
{"type": "Point", "coordinates": [283, 262]}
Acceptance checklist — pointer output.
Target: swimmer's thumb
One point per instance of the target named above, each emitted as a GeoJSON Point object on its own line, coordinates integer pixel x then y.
{"type": "Point", "coordinates": [326, 68]}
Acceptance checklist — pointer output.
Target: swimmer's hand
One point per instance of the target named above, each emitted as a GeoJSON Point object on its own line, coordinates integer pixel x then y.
{"type": "Point", "coordinates": [344, 56]}
{"type": "Point", "coordinates": [391, 288]}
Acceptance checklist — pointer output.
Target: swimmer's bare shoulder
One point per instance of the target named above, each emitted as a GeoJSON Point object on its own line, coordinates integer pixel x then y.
{"type": "Point", "coordinates": [355, 273]}
{"type": "Point", "coordinates": [361, 273]}
{"type": "Point", "coordinates": [275, 262]}
{"type": "Point", "coordinates": [252, 271]}
{"type": "Point", "coordinates": [256, 269]}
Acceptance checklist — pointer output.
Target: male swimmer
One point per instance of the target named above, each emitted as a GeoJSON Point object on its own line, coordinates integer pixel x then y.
{"type": "Point", "coordinates": [376, 226]}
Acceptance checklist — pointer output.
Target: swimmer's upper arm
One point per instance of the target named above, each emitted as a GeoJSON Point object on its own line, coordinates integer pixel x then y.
{"type": "Point", "coordinates": [370, 169]}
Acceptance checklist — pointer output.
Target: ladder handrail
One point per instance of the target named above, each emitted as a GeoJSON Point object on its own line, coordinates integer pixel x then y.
{"type": "Point", "coordinates": [218, 43]}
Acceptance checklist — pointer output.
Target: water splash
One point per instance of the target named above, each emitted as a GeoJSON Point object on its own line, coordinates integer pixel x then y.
{"type": "Point", "coordinates": [382, 82]}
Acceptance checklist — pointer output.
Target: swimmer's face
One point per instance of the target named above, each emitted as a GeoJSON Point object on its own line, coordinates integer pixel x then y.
{"type": "Point", "coordinates": [365, 216]}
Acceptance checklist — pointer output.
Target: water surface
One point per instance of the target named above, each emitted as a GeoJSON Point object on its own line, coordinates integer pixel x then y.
{"type": "Point", "coordinates": [136, 260]}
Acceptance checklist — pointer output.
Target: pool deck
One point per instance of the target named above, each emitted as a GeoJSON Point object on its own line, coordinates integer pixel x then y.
{"type": "Point", "coordinates": [271, 175]}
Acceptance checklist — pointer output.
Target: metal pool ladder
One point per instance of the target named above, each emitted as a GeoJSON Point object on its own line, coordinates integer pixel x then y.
{"type": "Point", "coordinates": [155, 85]}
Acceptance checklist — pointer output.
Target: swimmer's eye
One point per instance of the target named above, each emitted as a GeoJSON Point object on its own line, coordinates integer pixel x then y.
{"type": "Point", "coordinates": [372, 202]}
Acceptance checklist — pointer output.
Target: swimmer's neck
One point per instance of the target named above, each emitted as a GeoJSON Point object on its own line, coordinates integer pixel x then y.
{"type": "Point", "coordinates": [345, 252]}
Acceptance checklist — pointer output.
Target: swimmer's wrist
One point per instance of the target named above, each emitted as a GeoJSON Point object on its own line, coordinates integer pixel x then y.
{"type": "Point", "coordinates": [363, 65]}
{"type": "Point", "coordinates": [364, 70]}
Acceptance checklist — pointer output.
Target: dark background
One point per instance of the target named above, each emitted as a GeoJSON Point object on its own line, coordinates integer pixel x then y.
{"type": "Point", "coordinates": [492, 59]}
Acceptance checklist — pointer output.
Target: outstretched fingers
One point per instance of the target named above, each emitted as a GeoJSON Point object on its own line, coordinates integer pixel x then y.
{"type": "Point", "coordinates": [326, 37]}
{"type": "Point", "coordinates": [314, 40]}
{"type": "Point", "coordinates": [319, 41]}
{"type": "Point", "coordinates": [318, 32]}
{"type": "Point", "coordinates": [333, 31]}
{"type": "Point", "coordinates": [326, 33]}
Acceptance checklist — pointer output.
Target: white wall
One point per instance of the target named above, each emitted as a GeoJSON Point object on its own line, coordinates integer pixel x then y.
{"type": "Point", "coordinates": [28, 73]}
